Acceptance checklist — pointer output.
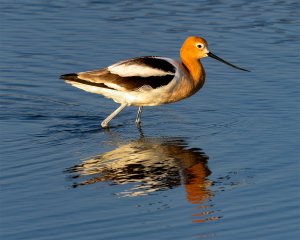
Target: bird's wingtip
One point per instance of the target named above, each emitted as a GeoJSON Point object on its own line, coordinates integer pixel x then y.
{"type": "Point", "coordinates": [69, 76]}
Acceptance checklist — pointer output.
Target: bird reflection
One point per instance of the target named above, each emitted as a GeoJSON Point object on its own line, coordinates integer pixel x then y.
{"type": "Point", "coordinates": [147, 165]}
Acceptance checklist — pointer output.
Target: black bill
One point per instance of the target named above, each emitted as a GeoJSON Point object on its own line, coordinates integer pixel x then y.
{"type": "Point", "coordinates": [223, 61]}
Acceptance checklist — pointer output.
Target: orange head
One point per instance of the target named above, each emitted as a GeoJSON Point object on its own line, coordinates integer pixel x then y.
{"type": "Point", "coordinates": [195, 48]}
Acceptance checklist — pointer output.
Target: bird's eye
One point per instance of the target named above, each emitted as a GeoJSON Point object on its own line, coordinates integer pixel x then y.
{"type": "Point", "coordinates": [200, 46]}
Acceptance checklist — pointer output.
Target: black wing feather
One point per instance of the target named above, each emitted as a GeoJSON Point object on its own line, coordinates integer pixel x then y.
{"type": "Point", "coordinates": [98, 78]}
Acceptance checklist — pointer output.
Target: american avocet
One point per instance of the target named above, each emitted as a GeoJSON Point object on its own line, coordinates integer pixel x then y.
{"type": "Point", "coordinates": [148, 81]}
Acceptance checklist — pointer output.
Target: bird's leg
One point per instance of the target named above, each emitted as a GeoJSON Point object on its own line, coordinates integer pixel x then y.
{"type": "Point", "coordinates": [138, 116]}
{"type": "Point", "coordinates": [105, 122]}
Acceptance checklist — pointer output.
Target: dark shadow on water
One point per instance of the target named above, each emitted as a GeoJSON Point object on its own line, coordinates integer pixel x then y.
{"type": "Point", "coordinates": [148, 165]}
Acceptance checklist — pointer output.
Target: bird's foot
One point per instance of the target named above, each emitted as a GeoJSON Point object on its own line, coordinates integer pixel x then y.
{"type": "Point", "coordinates": [104, 124]}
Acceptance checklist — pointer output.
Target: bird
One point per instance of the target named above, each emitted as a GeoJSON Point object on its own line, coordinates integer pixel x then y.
{"type": "Point", "coordinates": [148, 80]}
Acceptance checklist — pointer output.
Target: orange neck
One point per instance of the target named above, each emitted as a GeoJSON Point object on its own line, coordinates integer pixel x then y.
{"type": "Point", "coordinates": [193, 66]}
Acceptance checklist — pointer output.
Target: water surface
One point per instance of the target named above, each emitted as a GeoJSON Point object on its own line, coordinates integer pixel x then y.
{"type": "Point", "coordinates": [222, 164]}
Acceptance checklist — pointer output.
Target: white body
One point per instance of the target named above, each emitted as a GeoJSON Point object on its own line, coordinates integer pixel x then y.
{"type": "Point", "coordinates": [145, 95]}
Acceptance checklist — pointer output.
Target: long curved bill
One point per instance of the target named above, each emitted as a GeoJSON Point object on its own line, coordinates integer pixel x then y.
{"type": "Point", "coordinates": [223, 61]}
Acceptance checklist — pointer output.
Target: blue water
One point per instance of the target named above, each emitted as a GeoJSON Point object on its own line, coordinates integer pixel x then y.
{"type": "Point", "coordinates": [223, 164]}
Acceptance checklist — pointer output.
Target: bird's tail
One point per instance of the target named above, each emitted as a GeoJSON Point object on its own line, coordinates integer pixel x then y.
{"type": "Point", "coordinates": [93, 87]}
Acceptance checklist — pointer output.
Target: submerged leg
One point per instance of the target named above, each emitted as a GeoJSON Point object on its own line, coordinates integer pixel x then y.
{"type": "Point", "coordinates": [138, 116]}
{"type": "Point", "coordinates": [105, 122]}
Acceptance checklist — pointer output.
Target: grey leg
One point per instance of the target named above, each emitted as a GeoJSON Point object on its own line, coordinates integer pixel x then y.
{"type": "Point", "coordinates": [104, 124]}
{"type": "Point", "coordinates": [138, 116]}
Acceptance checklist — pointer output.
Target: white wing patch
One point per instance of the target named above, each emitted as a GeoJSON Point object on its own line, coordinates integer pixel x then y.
{"type": "Point", "coordinates": [131, 70]}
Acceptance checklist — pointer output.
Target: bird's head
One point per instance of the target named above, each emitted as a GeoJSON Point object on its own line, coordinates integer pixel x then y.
{"type": "Point", "coordinates": [197, 47]}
